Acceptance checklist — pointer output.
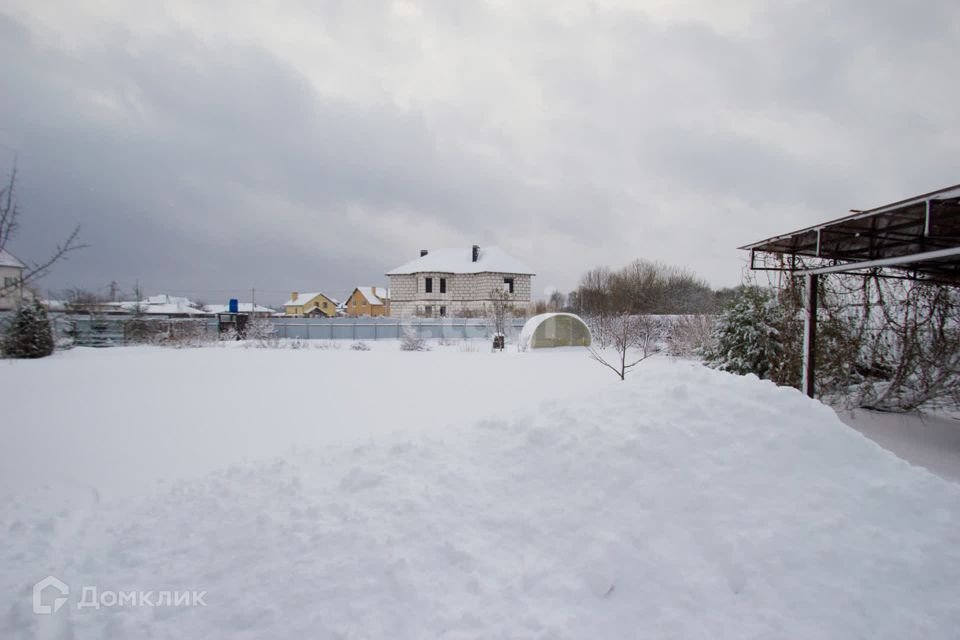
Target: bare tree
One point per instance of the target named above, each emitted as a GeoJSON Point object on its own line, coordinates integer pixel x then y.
{"type": "Point", "coordinates": [633, 338]}
{"type": "Point", "coordinates": [10, 223]}
{"type": "Point", "coordinates": [557, 301]}
{"type": "Point", "coordinates": [501, 309]}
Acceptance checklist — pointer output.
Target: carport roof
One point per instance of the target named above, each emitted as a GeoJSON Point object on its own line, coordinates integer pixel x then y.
{"type": "Point", "coordinates": [918, 238]}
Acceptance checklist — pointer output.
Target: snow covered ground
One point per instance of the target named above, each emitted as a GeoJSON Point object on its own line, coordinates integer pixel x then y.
{"type": "Point", "coordinates": [929, 440]}
{"type": "Point", "coordinates": [456, 494]}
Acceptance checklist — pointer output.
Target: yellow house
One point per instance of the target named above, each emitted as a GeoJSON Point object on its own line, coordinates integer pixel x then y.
{"type": "Point", "coordinates": [368, 301]}
{"type": "Point", "coordinates": [310, 304]}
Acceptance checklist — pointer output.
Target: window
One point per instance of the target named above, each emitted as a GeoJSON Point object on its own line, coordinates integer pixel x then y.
{"type": "Point", "coordinates": [428, 311]}
{"type": "Point", "coordinates": [428, 285]}
{"type": "Point", "coordinates": [443, 311]}
{"type": "Point", "coordinates": [324, 304]}
{"type": "Point", "coordinates": [9, 282]}
{"type": "Point", "coordinates": [508, 285]}
{"type": "Point", "coordinates": [443, 285]}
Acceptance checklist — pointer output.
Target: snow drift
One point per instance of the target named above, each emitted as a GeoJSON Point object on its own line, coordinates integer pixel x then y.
{"type": "Point", "coordinates": [684, 503]}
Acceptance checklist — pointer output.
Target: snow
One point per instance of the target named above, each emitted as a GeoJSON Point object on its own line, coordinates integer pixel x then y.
{"type": "Point", "coordinates": [929, 440]}
{"type": "Point", "coordinates": [460, 260]}
{"type": "Point", "coordinates": [7, 259]}
{"type": "Point", "coordinates": [483, 495]}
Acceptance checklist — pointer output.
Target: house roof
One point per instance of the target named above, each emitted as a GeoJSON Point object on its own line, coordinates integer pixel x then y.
{"type": "Point", "coordinates": [374, 295]}
{"type": "Point", "coordinates": [460, 260]}
{"type": "Point", "coordinates": [7, 259]}
{"type": "Point", "coordinates": [304, 298]}
{"type": "Point", "coordinates": [242, 307]}
{"type": "Point", "coordinates": [162, 304]}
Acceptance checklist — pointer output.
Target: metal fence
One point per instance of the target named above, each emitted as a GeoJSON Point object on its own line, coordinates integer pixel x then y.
{"type": "Point", "coordinates": [107, 331]}
{"type": "Point", "coordinates": [385, 328]}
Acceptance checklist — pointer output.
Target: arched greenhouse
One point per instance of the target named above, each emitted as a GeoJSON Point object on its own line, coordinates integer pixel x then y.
{"type": "Point", "coordinates": [554, 330]}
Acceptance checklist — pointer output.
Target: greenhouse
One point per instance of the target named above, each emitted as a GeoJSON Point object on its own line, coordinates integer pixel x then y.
{"type": "Point", "coordinates": [554, 330]}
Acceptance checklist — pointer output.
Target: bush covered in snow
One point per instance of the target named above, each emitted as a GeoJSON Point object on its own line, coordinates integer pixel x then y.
{"type": "Point", "coordinates": [412, 341]}
{"type": "Point", "coordinates": [28, 333]}
{"type": "Point", "coordinates": [747, 336]}
{"type": "Point", "coordinates": [360, 346]}
{"type": "Point", "coordinates": [262, 332]}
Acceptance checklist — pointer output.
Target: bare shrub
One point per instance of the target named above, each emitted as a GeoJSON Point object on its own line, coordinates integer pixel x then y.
{"type": "Point", "coordinates": [689, 334]}
{"type": "Point", "coordinates": [411, 340]}
{"type": "Point", "coordinates": [468, 346]}
{"type": "Point", "coordinates": [360, 346]}
{"type": "Point", "coordinates": [262, 332]}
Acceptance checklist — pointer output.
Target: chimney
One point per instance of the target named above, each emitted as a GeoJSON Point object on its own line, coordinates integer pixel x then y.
{"type": "Point", "coordinates": [423, 252]}
{"type": "Point", "coordinates": [476, 252]}
{"type": "Point", "coordinates": [293, 296]}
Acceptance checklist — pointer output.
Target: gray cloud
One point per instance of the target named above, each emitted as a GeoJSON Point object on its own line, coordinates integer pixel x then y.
{"type": "Point", "coordinates": [274, 155]}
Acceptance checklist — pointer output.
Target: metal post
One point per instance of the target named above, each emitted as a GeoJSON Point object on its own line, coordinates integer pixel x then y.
{"type": "Point", "coordinates": [810, 335]}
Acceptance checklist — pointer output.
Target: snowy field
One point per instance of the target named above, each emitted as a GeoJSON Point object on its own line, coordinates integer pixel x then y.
{"type": "Point", "coordinates": [456, 494]}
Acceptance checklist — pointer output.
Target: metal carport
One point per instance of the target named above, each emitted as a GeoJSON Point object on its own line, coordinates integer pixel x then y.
{"type": "Point", "coordinates": [917, 238]}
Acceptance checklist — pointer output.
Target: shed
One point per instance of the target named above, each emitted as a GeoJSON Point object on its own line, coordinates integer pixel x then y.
{"type": "Point", "coordinates": [554, 330]}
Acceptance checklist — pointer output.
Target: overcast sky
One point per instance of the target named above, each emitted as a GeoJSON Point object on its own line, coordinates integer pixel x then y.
{"type": "Point", "coordinates": [208, 150]}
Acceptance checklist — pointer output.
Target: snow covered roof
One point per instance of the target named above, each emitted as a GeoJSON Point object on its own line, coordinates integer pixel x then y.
{"type": "Point", "coordinates": [242, 307]}
{"type": "Point", "coordinates": [374, 295]}
{"type": "Point", "coordinates": [304, 298]}
{"type": "Point", "coordinates": [54, 305]}
{"type": "Point", "coordinates": [161, 304]}
{"type": "Point", "coordinates": [7, 259]}
{"type": "Point", "coordinates": [460, 260]}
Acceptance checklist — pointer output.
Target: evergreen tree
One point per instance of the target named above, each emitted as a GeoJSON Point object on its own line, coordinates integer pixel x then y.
{"type": "Point", "coordinates": [747, 336]}
{"type": "Point", "coordinates": [28, 335]}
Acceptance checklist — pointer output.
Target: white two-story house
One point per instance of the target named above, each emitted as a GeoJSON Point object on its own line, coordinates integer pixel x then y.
{"type": "Point", "coordinates": [457, 282]}
{"type": "Point", "coordinates": [11, 281]}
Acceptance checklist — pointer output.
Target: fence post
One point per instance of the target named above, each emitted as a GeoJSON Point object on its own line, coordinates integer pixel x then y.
{"type": "Point", "coordinates": [810, 336]}
{"type": "Point", "coordinates": [308, 328]}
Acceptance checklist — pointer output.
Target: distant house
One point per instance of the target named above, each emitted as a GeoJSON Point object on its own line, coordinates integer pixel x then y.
{"type": "Point", "coordinates": [451, 282]}
{"type": "Point", "coordinates": [310, 304]}
{"type": "Point", "coordinates": [160, 304]}
{"type": "Point", "coordinates": [369, 301]}
{"type": "Point", "coordinates": [11, 281]}
{"type": "Point", "coordinates": [242, 307]}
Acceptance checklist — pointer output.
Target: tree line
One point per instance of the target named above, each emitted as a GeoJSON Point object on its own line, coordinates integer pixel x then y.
{"type": "Point", "coordinates": [643, 287]}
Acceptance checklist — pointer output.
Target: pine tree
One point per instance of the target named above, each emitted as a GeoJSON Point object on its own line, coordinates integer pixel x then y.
{"type": "Point", "coordinates": [28, 335]}
{"type": "Point", "coordinates": [746, 338]}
